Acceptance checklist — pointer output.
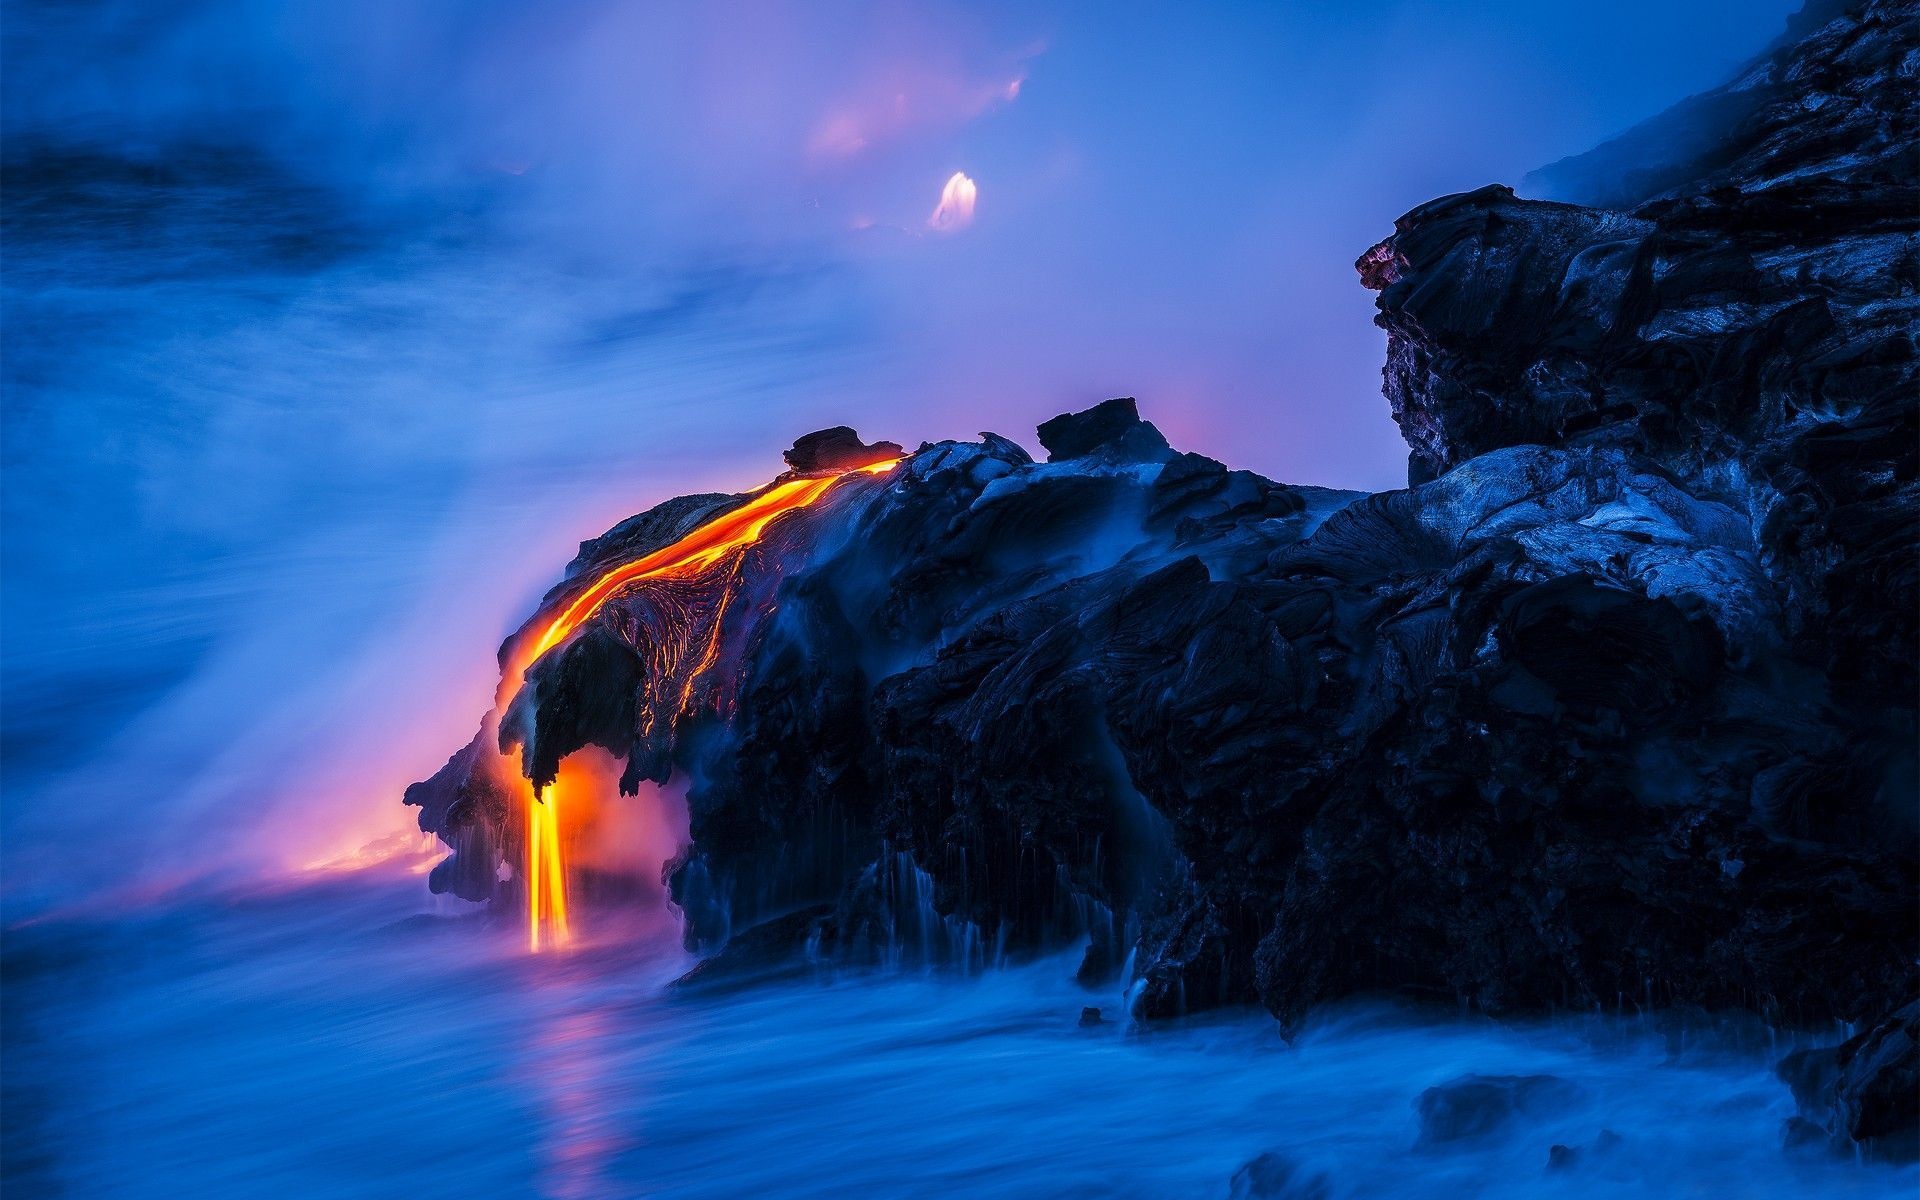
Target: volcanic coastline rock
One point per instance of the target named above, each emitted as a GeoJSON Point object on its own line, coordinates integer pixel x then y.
{"type": "Point", "coordinates": [1273, 1176]}
{"type": "Point", "coordinates": [759, 955]}
{"type": "Point", "coordinates": [638, 535]}
{"type": "Point", "coordinates": [837, 449]}
{"type": "Point", "coordinates": [1613, 707]}
{"type": "Point", "coordinates": [1112, 428]}
{"type": "Point", "coordinates": [1472, 1107]}
{"type": "Point", "coordinates": [1864, 1092]}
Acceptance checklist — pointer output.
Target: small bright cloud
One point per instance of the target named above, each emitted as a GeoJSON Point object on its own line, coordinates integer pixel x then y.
{"type": "Point", "coordinates": [955, 211]}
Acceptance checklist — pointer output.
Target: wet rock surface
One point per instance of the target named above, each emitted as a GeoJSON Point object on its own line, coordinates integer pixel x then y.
{"type": "Point", "coordinates": [759, 954]}
{"type": "Point", "coordinates": [1111, 429]}
{"type": "Point", "coordinates": [1473, 1107]}
{"type": "Point", "coordinates": [1584, 1157]}
{"type": "Point", "coordinates": [1614, 707]}
{"type": "Point", "coordinates": [1862, 1093]}
{"type": "Point", "coordinates": [1276, 1177]}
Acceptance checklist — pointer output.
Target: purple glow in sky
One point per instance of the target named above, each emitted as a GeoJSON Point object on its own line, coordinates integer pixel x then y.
{"type": "Point", "coordinates": [330, 328]}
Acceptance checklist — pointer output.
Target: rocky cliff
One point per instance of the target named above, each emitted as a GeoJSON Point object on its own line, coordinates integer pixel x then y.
{"type": "Point", "coordinates": [1613, 707]}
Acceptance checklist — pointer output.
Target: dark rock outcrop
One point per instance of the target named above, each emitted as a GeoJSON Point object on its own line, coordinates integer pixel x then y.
{"type": "Point", "coordinates": [1614, 707]}
{"type": "Point", "coordinates": [1111, 429]}
{"type": "Point", "coordinates": [1864, 1092]}
{"type": "Point", "coordinates": [760, 954]}
{"type": "Point", "coordinates": [1832, 85]}
{"type": "Point", "coordinates": [837, 449]}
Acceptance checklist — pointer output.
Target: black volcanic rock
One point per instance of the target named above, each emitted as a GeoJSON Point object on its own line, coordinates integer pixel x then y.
{"type": "Point", "coordinates": [1276, 1177]}
{"type": "Point", "coordinates": [1473, 1106]}
{"type": "Point", "coordinates": [1864, 1092]}
{"type": "Point", "coordinates": [1111, 429]}
{"type": "Point", "coordinates": [1752, 331]}
{"type": "Point", "coordinates": [759, 954]}
{"type": "Point", "coordinates": [1833, 94]}
{"type": "Point", "coordinates": [660, 525]}
{"type": "Point", "coordinates": [837, 449]}
{"type": "Point", "coordinates": [1579, 1158]}
{"type": "Point", "coordinates": [470, 804]}
{"type": "Point", "coordinates": [1616, 705]}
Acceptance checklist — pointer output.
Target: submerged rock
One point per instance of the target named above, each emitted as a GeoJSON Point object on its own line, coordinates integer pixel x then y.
{"type": "Point", "coordinates": [773, 949]}
{"type": "Point", "coordinates": [1276, 1177]}
{"type": "Point", "coordinates": [837, 449]}
{"type": "Point", "coordinates": [1571, 1158]}
{"type": "Point", "coordinates": [1475, 1106]}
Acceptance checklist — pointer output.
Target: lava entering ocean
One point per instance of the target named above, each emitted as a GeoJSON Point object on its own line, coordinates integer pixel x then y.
{"type": "Point", "coordinates": [695, 556]}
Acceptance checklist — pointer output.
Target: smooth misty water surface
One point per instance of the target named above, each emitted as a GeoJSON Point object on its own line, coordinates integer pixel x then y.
{"type": "Point", "coordinates": [314, 1044]}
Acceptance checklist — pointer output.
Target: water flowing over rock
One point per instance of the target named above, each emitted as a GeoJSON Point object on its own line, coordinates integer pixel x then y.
{"type": "Point", "coordinates": [1613, 707]}
{"type": "Point", "coordinates": [1475, 1106]}
{"type": "Point", "coordinates": [1864, 1092]}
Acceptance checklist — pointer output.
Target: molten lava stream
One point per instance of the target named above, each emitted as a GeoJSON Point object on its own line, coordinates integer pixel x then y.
{"type": "Point", "coordinates": [546, 870]}
{"type": "Point", "coordinates": [697, 552]}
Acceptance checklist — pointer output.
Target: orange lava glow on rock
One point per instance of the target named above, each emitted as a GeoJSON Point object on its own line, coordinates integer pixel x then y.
{"type": "Point", "coordinates": [545, 870]}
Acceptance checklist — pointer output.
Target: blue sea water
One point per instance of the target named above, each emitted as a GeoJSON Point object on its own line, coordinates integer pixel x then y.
{"type": "Point", "coordinates": [320, 1043]}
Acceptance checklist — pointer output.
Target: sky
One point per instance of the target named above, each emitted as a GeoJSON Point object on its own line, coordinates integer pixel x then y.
{"type": "Point", "coordinates": [330, 329]}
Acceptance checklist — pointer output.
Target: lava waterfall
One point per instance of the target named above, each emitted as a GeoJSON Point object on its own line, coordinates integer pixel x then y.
{"type": "Point", "coordinates": [666, 633]}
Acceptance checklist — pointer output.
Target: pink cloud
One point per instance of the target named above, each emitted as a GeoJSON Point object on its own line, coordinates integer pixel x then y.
{"type": "Point", "coordinates": [903, 99]}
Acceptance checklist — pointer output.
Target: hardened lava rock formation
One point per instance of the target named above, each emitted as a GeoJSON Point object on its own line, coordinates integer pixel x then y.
{"type": "Point", "coordinates": [1613, 708]}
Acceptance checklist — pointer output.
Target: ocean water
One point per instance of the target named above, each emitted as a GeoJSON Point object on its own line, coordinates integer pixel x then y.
{"type": "Point", "coordinates": [358, 1039]}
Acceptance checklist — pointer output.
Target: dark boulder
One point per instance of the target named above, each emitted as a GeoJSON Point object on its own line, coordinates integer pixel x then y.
{"type": "Point", "coordinates": [773, 949]}
{"type": "Point", "coordinates": [1572, 1158]}
{"type": "Point", "coordinates": [1111, 430]}
{"type": "Point", "coordinates": [1275, 1177]}
{"type": "Point", "coordinates": [1474, 1107]}
{"type": "Point", "coordinates": [837, 449]}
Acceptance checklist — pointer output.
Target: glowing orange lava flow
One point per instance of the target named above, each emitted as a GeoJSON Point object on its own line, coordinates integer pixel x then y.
{"type": "Point", "coordinates": [546, 877]}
